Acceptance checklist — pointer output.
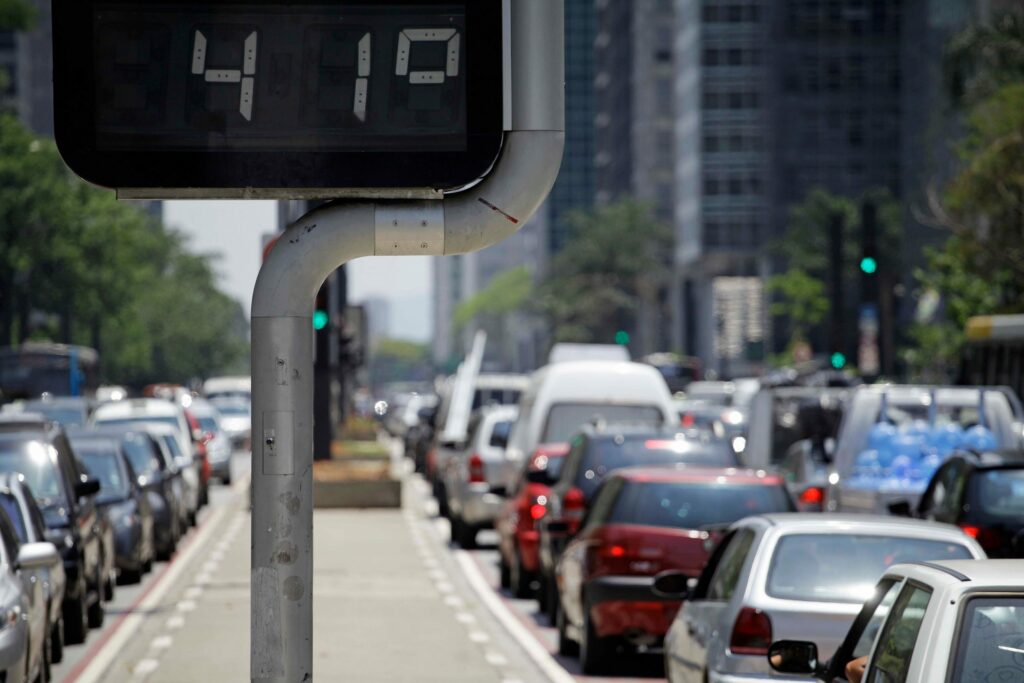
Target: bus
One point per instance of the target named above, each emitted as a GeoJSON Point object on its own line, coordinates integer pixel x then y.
{"type": "Point", "coordinates": [994, 352]}
{"type": "Point", "coordinates": [35, 368]}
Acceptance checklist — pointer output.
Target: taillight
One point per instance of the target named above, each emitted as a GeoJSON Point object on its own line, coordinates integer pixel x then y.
{"type": "Point", "coordinates": [537, 509]}
{"type": "Point", "coordinates": [614, 550]}
{"type": "Point", "coordinates": [752, 633]}
{"type": "Point", "coordinates": [988, 538]}
{"type": "Point", "coordinates": [573, 504]}
{"type": "Point", "coordinates": [971, 530]}
{"type": "Point", "coordinates": [476, 469]}
{"type": "Point", "coordinates": [813, 495]}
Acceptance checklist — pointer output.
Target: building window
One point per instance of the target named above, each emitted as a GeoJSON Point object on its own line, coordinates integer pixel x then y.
{"type": "Point", "coordinates": [710, 57]}
{"type": "Point", "coordinates": [711, 187]}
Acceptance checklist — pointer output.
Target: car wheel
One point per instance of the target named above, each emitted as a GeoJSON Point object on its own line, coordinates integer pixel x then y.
{"type": "Point", "coordinates": [57, 641]}
{"type": "Point", "coordinates": [566, 646]}
{"type": "Point", "coordinates": [542, 593]}
{"type": "Point", "coordinates": [128, 576]}
{"type": "Point", "coordinates": [552, 604]}
{"type": "Point", "coordinates": [521, 584]}
{"type": "Point", "coordinates": [47, 657]}
{"type": "Point", "coordinates": [226, 479]}
{"type": "Point", "coordinates": [465, 534]}
{"type": "Point", "coordinates": [75, 617]}
{"type": "Point", "coordinates": [96, 614]}
{"type": "Point", "coordinates": [504, 571]}
{"type": "Point", "coordinates": [108, 589]}
{"type": "Point", "coordinates": [594, 651]}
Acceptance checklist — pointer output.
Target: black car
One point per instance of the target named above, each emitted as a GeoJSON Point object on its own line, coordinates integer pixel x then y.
{"type": "Point", "coordinates": [74, 524]}
{"type": "Point", "coordinates": [123, 500]}
{"type": "Point", "coordinates": [595, 452]}
{"type": "Point", "coordinates": [983, 494]}
{"type": "Point", "coordinates": [158, 476]}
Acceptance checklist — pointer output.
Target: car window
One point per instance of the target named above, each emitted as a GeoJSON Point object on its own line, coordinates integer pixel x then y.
{"type": "Point", "coordinates": [696, 505]}
{"type": "Point", "coordinates": [999, 493]}
{"type": "Point", "coordinates": [935, 496]}
{"type": "Point", "coordinates": [604, 502]}
{"type": "Point", "coordinates": [870, 632]}
{"type": "Point", "coordinates": [10, 537]}
{"type": "Point", "coordinates": [10, 505]}
{"type": "Point", "coordinates": [843, 567]}
{"type": "Point", "coordinates": [727, 575]}
{"type": "Point", "coordinates": [895, 650]}
{"type": "Point", "coordinates": [572, 459]}
{"type": "Point", "coordinates": [35, 516]}
{"type": "Point", "coordinates": [949, 509]}
{"type": "Point", "coordinates": [37, 461]}
{"type": "Point", "coordinates": [141, 454]}
{"type": "Point", "coordinates": [991, 646]}
{"type": "Point", "coordinates": [565, 419]}
{"type": "Point", "coordinates": [499, 433]}
{"type": "Point", "coordinates": [104, 464]}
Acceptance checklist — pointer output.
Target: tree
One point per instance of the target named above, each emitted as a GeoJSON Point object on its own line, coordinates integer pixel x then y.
{"type": "Point", "coordinates": [396, 360]}
{"type": "Point", "coordinates": [616, 261]}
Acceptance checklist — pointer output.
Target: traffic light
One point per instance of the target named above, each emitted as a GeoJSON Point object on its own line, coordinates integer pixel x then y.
{"type": "Point", "coordinates": [869, 239]}
{"type": "Point", "coordinates": [838, 360]}
{"type": "Point", "coordinates": [622, 338]}
{"type": "Point", "coordinates": [320, 314]}
{"type": "Point", "coordinates": [869, 265]}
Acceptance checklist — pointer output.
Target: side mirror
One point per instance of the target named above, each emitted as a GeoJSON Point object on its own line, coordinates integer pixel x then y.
{"type": "Point", "coordinates": [38, 555]}
{"type": "Point", "coordinates": [673, 584]}
{"type": "Point", "coordinates": [556, 527]}
{"type": "Point", "coordinates": [900, 508]}
{"type": "Point", "coordinates": [793, 657]}
{"type": "Point", "coordinates": [87, 487]}
{"type": "Point", "coordinates": [538, 477]}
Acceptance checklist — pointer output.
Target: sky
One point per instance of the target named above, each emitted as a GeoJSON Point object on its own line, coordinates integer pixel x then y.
{"type": "Point", "coordinates": [232, 231]}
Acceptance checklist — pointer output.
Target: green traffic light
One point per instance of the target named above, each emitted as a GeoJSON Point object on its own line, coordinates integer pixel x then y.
{"type": "Point", "coordinates": [838, 360]}
{"type": "Point", "coordinates": [869, 265]}
{"type": "Point", "coordinates": [320, 320]}
{"type": "Point", "coordinates": [622, 338]}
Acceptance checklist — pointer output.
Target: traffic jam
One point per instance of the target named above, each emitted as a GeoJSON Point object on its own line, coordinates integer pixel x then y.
{"type": "Point", "coordinates": [96, 493]}
{"type": "Point", "coordinates": [781, 527]}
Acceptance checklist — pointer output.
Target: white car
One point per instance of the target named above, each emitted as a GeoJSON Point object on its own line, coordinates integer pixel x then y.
{"type": "Point", "coordinates": [959, 621]}
{"type": "Point", "coordinates": [235, 420]}
{"type": "Point", "coordinates": [218, 443]}
{"type": "Point", "coordinates": [793, 576]}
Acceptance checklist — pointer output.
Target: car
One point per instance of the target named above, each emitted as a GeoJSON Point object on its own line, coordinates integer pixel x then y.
{"type": "Point", "coordinates": [960, 620]}
{"type": "Point", "coordinates": [561, 397]}
{"type": "Point", "coordinates": [188, 478]}
{"type": "Point", "coordinates": [236, 387]}
{"type": "Point", "coordinates": [21, 507]}
{"type": "Point", "coordinates": [66, 496]}
{"type": "Point", "coordinates": [70, 411]}
{"type": "Point", "coordinates": [218, 443]}
{"type": "Point", "coordinates": [983, 494]}
{"type": "Point", "coordinates": [123, 500]}
{"type": "Point", "coordinates": [158, 476]}
{"type": "Point", "coordinates": [642, 522]}
{"type": "Point", "coordinates": [24, 638]}
{"type": "Point", "coordinates": [474, 481]}
{"type": "Point", "coordinates": [175, 425]}
{"type": "Point", "coordinates": [791, 576]}
{"type": "Point", "coordinates": [200, 452]}
{"type": "Point", "coordinates": [235, 420]}
{"type": "Point", "coordinates": [594, 453]}
{"type": "Point", "coordinates": [519, 537]}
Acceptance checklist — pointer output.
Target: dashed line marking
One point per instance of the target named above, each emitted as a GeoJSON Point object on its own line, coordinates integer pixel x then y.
{"type": "Point", "coordinates": [175, 622]}
{"type": "Point", "coordinates": [161, 643]}
{"type": "Point", "coordinates": [186, 606]}
{"type": "Point", "coordinates": [145, 667]}
{"type": "Point", "coordinates": [465, 618]}
{"type": "Point", "coordinates": [479, 637]}
{"type": "Point", "coordinates": [454, 601]}
{"type": "Point", "coordinates": [496, 659]}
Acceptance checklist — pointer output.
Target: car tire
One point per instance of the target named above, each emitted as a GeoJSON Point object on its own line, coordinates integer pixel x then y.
{"type": "Point", "coordinates": [521, 583]}
{"type": "Point", "coordinates": [594, 651]}
{"type": "Point", "coordinates": [226, 479]}
{"type": "Point", "coordinates": [75, 620]}
{"type": "Point", "coordinates": [551, 602]}
{"type": "Point", "coordinates": [464, 534]}
{"type": "Point", "coordinates": [47, 657]}
{"type": "Point", "coordinates": [542, 593]}
{"type": "Point", "coordinates": [130, 576]}
{"type": "Point", "coordinates": [57, 641]}
{"type": "Point", "coordinates": [96, 614]}
{"type": "Point", "coordinates": [567, 647]}
{"type": "Point", "coordinates": [108, 589]}
{"type": "Point", "coordinates": [504, 572]}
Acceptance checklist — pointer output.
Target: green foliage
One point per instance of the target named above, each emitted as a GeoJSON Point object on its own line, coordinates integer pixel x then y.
{"type": "Point", "coordinates": [617, 257]}
{"type": "Point", "coordinates": [985, 57]}
{"type": "Point", "coordinates": [16, 15]}
{"type": "Point", "coordinates": [106, 274]}
{"type": "Point", "coordinates": [802, 299]}
{"type": "Point", "coordinates": [396, 360]}
{"type": "Point", "coordinates": [507, 293]}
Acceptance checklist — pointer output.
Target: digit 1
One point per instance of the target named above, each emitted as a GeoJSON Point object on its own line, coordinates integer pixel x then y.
{"type": "Point", "coordinates": [363, 82]}
{"type": "Point", "coordinates": [247, 81]}
{"type": "Point", "coordinates": [427, 35]}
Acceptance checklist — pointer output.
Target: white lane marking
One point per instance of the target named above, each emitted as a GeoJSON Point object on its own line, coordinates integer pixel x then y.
{"type": "Point", "coordinates": [479, 636]}
{"type": "Point", "coordinates": [437, 574]}
{"type": "Point", "coordinates": [495, 658]}
{"type": "Point", "coordinates": [540, 656]}
{"type": "Point", "coordinates": [187, 606]}
{"type": "Point", "coordinates": [465, 618]}
{"type": "Point", "coordinates": [445, 587]}
{"type": "Point", "coordinates": [128, 628]}
{"type": "Point", "coordinates": [211, 567]}
{"type": "Point", "coordinates": [175, 622]}
{"type": "Point", "coordinates": [145, 667]}
{"type": "Point", "coordinates": [161, 643]}
{"type": "Point", "coordinates": [453, 601]}
{"type": "Point", "coordinates": [193, 592]}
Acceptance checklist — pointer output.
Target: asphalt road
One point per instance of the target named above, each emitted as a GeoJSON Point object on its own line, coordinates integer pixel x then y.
{"type": "Point", "coordinates": [125, 597]}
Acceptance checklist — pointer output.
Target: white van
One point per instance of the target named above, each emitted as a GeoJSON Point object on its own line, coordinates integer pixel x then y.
{"type": "Point", "coordinates": [564, 396]}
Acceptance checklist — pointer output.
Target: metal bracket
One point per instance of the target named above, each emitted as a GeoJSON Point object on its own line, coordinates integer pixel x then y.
{"type": "Point", "coordinates": [408, 228]}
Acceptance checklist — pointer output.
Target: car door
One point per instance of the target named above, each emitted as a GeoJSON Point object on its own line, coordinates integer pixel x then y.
{"type": "Point", "coordinates": [893, 653]}
{"type": "Point", "coordinates": [82, 512]}
{"type": "Point", "coordinates": [31, 582]}
{"type": "Point", "coordinates": [700, 619]}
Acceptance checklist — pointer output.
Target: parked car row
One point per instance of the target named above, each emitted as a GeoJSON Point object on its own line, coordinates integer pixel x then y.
{"type": "Point", "coordinates": [692, 528]}
{"type": "Point", "coordinates": [90, 503]}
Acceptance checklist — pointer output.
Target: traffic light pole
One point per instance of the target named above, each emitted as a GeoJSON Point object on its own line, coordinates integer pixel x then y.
{"type": "Point", "coordinates": [281, 644]}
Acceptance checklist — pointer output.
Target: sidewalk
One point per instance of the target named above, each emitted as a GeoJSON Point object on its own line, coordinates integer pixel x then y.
{"type": "Point", "coordinates": [385, 609]}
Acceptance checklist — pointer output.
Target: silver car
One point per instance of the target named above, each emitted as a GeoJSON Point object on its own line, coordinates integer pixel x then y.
{"type": "Point", "coordinates": [474, 478]}
{"type": "Point", "coordinates": [24, 619]}
{"type": "Point", "coordinates": [792, 577]}
{"type": "Point", "coordinates": [218, 443]}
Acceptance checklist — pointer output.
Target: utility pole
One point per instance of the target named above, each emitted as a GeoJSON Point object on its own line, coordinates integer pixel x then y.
{"type": "Point", "coordinates": [836, 336]}
{"type": "Point", "coordinates": [868, 353]}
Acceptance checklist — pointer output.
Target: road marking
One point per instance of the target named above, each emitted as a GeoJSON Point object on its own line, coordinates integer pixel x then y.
{"type": "Point", "coordinates": [175, 622]}
{"type": "Point", "coordinates": [479, 637]}
{"type": "Point", "coordinates": [193, 592]}
{"type": "Point", "coordinates": [145, 667]}
{"type": "Point", "coordinates": [187, 606]}
{"type": "Point", "coordinates": [445, 587]}
{"type": "Point", "coordinates": [161, 643]}
{"type": "Point", "coordinates": [465, 617]}
{"type": "Point", "coordinates": [540, 656]}
{"type": "Point", "coordinates": [102, 654]}
{"type": "Point", "coordinates": [453, 601]}
{"type": "Point", "coordinates": [495, 658]}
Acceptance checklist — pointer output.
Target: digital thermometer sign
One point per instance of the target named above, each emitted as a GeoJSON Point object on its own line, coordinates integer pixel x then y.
{"type": "Point", "coordinates": [278, 95]}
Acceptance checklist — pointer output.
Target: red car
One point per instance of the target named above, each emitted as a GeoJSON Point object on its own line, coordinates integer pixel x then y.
{"type": "Point", "coordinates": [517, 523]}
{"type": "Point", "coordinates": [644, 521]}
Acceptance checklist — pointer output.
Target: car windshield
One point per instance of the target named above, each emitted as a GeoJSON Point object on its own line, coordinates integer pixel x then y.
{"type": "Point", "coordinates": [1000, 493]}
{"type": "Point", "coordinates": [841, 567]}
{"type": "Point", "coordinates": [565, 419]}
{"type": "Point", "coordinates": [694, 505]}
{"type": "Point", "coordinates": [605, 455]}
{"type": "Point", "coordinates": [101, 461]}
{"type": "Point", "coordinates": [10, 505]}
{"type": "Point", "coordinates": [65, 415]}
{"type": "Point", "coordinates": [172, 445]}
{"type": "Point", "coordinates": [139, 451]}
{"type": "Point", "coordinates": [992, 640]}
{"type": "Point", "coordinates": [209, 424]}
{"type": "Point", "coordinates": [37, 461]}
{"type": "Point", "coordinates": [233, 408]}
{"type": "Point", "coordinates": [140, 420]}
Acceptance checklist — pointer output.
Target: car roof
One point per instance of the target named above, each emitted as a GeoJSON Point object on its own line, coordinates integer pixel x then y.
{"type": "Point", "coordinates": [969, 573]}
{"type": "Point", "coordinates": [803, 522]}
{"type": "Point", "coordinates": [683, 473]}
{"type": "Point", "coordinates": [135, 407]}
{"type": "Point", "coordinates": [612, 430]}
{"type": "Point", "coordinates": [501, 381]}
